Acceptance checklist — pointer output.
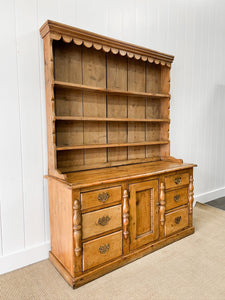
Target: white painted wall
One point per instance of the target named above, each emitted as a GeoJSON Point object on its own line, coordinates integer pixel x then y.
{"type": "Point", "coordinates": [192, 30]}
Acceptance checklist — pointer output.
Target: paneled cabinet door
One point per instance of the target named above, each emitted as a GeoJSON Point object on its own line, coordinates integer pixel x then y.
{"type": "Point", "coordinates": [144, 223]}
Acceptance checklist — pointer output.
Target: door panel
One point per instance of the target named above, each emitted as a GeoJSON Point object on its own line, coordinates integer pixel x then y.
{"type": "Point", "coordinates": [144, 224]}
{"type": "Point", "coordinates": [143, 212]}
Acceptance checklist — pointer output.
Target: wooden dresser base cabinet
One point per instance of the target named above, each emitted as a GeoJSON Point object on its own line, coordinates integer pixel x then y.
{"type": "Point", "coordinates": [130, 217]}
{"type": "Point", "coordinates": [115, 193]}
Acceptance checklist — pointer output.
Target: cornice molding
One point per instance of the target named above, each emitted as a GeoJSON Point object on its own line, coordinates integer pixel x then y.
{"type": "Point", "coordinates": [78, 36]}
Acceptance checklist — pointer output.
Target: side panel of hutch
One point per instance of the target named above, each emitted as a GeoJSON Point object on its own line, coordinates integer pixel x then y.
{"type": "Point", "coordinates": [115, 193]}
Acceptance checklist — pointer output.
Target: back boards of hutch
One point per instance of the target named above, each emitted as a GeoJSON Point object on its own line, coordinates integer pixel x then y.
{"type": "Point", "coordinates": [115, 193]}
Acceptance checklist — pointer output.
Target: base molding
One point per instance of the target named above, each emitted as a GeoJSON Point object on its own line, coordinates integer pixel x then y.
{"type": "Point", "coordinates": [24, 257]}
{"type": "Point", "coordinates": [116, 263]}
{"type": "Point", "coordinates": [209, 196]}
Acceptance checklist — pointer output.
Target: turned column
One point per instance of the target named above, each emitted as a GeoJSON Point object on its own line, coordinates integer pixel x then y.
{"type": "Point", "coordinates": [190, 199]}
{"type": "Point", "coordinates": [125, 215]}
{"type": "Point", "coordinates": [77, 228]}
{"type": "Point", "coordinates": [162, 208]}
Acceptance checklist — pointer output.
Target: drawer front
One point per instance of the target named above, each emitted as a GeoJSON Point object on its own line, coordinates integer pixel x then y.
{"type": "Point", "coordinates": [100, 197]}
{"type": "Point", "coordinates": [177, 180]}
{"type": "Point", "coordinates": [176, 221]}
{"type": "Point", "coordinates": [100, 221]}
{"type": "Point", "coordinates": [102, 250]}
{"type": "Point", "coordinates": [176, 198]}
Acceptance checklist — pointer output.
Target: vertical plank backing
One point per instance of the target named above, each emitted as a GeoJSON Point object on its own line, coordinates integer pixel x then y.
{"type": "Point", "coordinates": [69, 159]}
{"type": "Point", "coordinates": [165, 79]}
{"type": "Point", "coordinates": [153, 151]}
{"type": "Point", "coordinates": [136, 107]}
{"type": "Point", "coordinates": [153, 78]}
{"type": "Point", "coordinates": [94, 105]}
{"type": "Point", "coordinates": [153, 131]}
{"type": "Point", "coordinates": [67, 62]}
{"type": "Point", "coordinates": [164, 134]}
{"type": "Point", "coordinates": [165, 106]}
{"type": "Point", "coordinates": [68, 67]}
{"type": "Point", "coordinates": [157, 81]}
{"type": "Point", "coordinates": [117, 105]}
{"type": "Point", "coordinates": [68, 102]}
{"type": "Point", "coordinates": [95, 132]}
{"type": "Point", "coordinates": [69, 133]}
{"type": "Point", "coordinates": [153, 109]}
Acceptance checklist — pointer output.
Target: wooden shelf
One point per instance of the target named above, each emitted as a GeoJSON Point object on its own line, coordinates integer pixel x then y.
{"type": "Point", "coordinates": [71, 118]}
{"type": "Point", "coordinates": [87, 88]}
{"type": "Point", "coordinates": [97, 146]}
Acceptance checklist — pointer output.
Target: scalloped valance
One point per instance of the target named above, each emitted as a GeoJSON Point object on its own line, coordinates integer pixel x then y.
{"type": "Point", "coordinates": [79, 37]}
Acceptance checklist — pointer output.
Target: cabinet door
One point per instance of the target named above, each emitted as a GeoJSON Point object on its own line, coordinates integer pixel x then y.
{"type": "Point", "coordinates": [144, 223]}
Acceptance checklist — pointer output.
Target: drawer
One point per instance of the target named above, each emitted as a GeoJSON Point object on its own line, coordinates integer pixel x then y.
{"type": "Point", "coordinates": [98, 198]}
{"type": "Point", "coordinates": [176, 198]}
{"type": "Point", "coordinates": [102, 250]}
{"type": "Point", "coordinates": [176, 221]}
{"type": "Point", "coordinates": [177, 180]}
{"type": "Point", "coordinates": [100, 221]}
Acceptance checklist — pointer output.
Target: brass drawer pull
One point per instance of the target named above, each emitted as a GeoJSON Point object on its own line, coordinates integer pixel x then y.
{"type": "Point", "coordinates": [103, 248]}
{"type": "Point", "coordinates": [103, 197]}
{"type": "Point", "coordinates": [176, 198]}
{"type": "Point", "coordinates": [177, 180]}
{"type": "Point", "coordinates": [104, 220]}
{"type": "Point", "coordinates": [177, 220]}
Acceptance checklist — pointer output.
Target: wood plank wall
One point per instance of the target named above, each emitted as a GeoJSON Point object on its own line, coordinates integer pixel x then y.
{"type": "Point", "coordinates": [192, 30]}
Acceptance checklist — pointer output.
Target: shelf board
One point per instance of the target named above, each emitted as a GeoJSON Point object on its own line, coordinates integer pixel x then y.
{"type": "Point", "coordinates": [97, 146]}
{"type": "Point", "coordinates": [82, 87]}
{"type": "Point", "coordinates": [109, 164]}
{"type": "Point", "coordinates": [71, 118]}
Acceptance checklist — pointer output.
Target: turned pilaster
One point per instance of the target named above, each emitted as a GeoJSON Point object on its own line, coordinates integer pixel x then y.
{"type": "Point", "coordinates": [125, 214]}
{"type": "Point", "coordinates": [162, 206]}
{"type": "Point", "coordinates": [77, 227]}
{"type": "Point", "coordinates": [190, 199]}
{"type": "Point", "coordinates": [191, 193]}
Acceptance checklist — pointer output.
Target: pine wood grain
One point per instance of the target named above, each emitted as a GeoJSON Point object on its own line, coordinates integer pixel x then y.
{"type": "Point", "coordinates": [101, 221]}
{"type": "Point", "coordinates": [89, 88]}
{"type": "Point", "coordinates": [176, 180]}
{"type": "Point", "coordinates": [92, 254]}
{"type": "Point", "coordinates": [176, 221]}
{"type": "Point", "coordinates": [176, 198]}
{"type": "Point", "coordinates": [144, 226]}
{"type": "Point", "coordinates": [97, 198]}
{"type": "Point", "coordinates": [121, 194]}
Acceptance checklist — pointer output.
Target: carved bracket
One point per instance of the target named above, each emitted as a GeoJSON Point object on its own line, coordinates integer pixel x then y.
{"type": "Point", "coordinates": [125, 214]}
{"type": "Point", "coordinates": [191, 193]}
{"type": "Point", "coordinates": [162, 204]}
{"type": "Point", "coordinates": [77, 227]}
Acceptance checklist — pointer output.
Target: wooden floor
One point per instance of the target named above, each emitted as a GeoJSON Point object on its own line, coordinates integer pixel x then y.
{"type": "Point", "coordinates": [218, 203]}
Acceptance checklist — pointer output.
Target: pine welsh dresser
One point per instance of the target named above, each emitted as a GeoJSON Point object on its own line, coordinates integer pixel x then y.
{"type": "Point", "coordinates": [115, 193]}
